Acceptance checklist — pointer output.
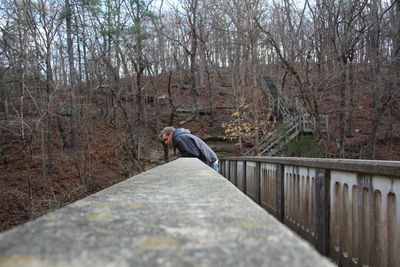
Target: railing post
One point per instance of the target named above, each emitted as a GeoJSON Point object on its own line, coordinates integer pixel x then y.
{"type": "Point", "coordinates": [228, 175]}
{"type": "Point", "coordinates": [233, 172]}
{"type": "Point", "coordinates": [322, 199]}
{"type": "Point", "coordinates": [245, 177]}
{"type": "Point", "coordinates": [280, 192]}
{"type": "Point", "coordinates": [257, 178]}
{"type": "Point", "coordinates": [236, 174]}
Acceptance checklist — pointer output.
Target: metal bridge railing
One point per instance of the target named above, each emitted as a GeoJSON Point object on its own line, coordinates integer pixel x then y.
{"type": "Point", "coordinates": [348, 209]}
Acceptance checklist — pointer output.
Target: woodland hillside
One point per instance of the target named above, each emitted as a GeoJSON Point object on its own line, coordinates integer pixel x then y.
{"type": "Point", "coordinates": [87, 85]}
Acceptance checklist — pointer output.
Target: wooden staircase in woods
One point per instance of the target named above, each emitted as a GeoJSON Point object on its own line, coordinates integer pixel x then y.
{"type": "Point", "coordinates": [295, 120]}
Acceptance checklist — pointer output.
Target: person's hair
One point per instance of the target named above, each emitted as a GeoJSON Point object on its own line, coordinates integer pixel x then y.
{"type": "Point", "coordinates": [167, 130]}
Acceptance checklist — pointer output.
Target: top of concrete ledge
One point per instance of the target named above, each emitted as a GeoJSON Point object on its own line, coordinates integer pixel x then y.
{"type": "Point", "coordinates": [179, 214]}
{"type": "Point", "coordinates": [380, 167]}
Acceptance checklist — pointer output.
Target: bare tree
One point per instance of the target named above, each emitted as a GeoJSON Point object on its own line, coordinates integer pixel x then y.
{"type": "Point", "coordinates": [72, 75]}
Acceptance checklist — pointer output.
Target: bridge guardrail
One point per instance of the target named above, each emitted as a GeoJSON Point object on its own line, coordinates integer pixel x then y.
{"type": "Point", "coordinates": [181, 213]}
{"type": "Point", "coordinates": [348, 209]}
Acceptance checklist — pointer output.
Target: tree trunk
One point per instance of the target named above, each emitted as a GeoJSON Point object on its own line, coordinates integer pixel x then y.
{"type": "Point", "coordinates": [78, 77]}
{"type": "Point", "coordinates": [62, 131]}
{"type": "Point", "coordinates": [390, 133]}
{"type": "Point", "coordinates": [256, 127]}
{"type": "Point", "coordinates": [370, 153]}
{"type": "Point", "coordinates": [342, 106]}
{"type": "Point", "coordinates": [210, 92]}
{"type": "Point", "coordinates": [375, 74]}
{"type": "Point", "coordinates": [72, 77]}
{"type": "Point", "coordinates": [49, 117]}
{"type": "Point", "coordinates": [351, 103]}
{"type": "Point", "coordinates": [5, 107]}
{"type": "Point", "coordinates": [193, 55]}
{"type": "Point", "coordinates": [396, 38]}
{"type": "Point", "coordinates": [139, 71]}
{"type": "Point", "coordinates": [171, 103]}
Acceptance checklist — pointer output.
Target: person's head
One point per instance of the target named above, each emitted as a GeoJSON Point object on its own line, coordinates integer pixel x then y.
{"type": "Point", "coordinates": [166, 134]}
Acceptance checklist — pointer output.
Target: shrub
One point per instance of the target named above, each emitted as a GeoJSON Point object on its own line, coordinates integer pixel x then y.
{"type": "Point", "coordinates": [303, 146]}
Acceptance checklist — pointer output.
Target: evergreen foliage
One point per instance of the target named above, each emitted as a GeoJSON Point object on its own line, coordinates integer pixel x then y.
{"type": "Point", "coordinates": [303, 146]}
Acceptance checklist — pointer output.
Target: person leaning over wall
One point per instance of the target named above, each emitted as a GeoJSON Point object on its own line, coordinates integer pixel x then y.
{"type": "Point", "coordinates": [189, 145]}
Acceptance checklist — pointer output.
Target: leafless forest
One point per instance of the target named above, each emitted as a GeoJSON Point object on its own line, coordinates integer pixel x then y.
{"type": "Point", "coordinates": [86, 85]}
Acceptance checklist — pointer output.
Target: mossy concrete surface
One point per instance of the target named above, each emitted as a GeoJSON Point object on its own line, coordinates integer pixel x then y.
{"type": "Point", "coordinates": [179, 214]}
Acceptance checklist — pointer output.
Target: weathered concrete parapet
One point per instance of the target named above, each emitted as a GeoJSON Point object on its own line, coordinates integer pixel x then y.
{"type": "Point", "coordinates": [348, 209]}
{"type": "Point", "coordinates": [179, 214]}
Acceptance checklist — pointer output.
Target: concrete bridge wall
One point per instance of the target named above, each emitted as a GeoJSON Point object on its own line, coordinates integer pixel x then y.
{"type": "Point", "coordinates": [349, 209]}
{"type": "Point", "coordinates": [179, 214]}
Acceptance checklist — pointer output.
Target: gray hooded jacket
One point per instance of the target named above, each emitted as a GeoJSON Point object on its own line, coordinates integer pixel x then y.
{"type": "Point", "coordinates": [191, 146]}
